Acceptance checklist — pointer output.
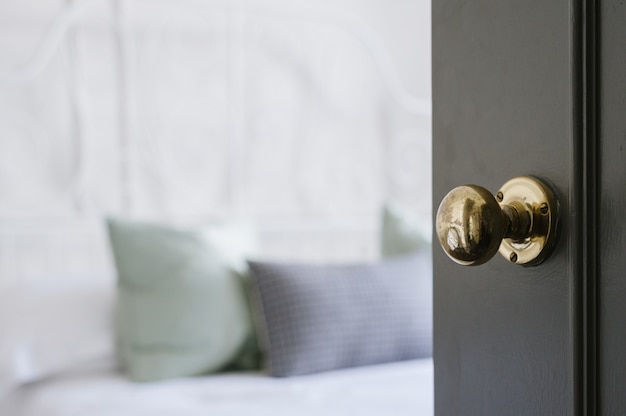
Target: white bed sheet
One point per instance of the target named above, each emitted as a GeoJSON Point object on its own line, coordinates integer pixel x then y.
{"type": "Point", "coordinates": [403, 388]}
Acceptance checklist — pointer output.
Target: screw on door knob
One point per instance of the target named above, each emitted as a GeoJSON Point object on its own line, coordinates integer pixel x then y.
{"type": "Point", "coordinates": [520, 222]}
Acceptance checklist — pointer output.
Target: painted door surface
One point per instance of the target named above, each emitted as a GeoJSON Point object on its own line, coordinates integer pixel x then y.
{"type": "Point", "coordinates": [611, 235]}
{"type": "Point", "coordinates": [508, 95]}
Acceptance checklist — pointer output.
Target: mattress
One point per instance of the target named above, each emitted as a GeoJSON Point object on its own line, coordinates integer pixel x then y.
{"type": "Point", "coordinates": [401, 388]}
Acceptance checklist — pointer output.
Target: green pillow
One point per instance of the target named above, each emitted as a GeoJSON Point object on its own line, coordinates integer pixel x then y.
{"type": "Point", "coordinates": [402, 232]}
{"type": "Point", "coordinates": [182, 307]}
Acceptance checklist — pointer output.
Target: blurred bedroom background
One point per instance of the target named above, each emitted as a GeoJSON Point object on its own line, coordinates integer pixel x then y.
{"type": "Point", "coordinates": [306, 118]}
{"type": "Point", "coordinates": [303, 118]}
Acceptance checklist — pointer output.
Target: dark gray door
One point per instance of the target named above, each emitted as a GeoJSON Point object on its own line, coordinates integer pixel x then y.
{"type": "Point", "coordinates": [610, 232]}
{"type": "Point", "coordinates": [513, 86]}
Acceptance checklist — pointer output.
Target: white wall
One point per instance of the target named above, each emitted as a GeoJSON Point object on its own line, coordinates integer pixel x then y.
{"type": "Point", "coordinates": [167, 109]}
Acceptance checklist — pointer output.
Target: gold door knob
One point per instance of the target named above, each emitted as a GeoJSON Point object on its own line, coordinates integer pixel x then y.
{"type": "Point", "coordinates": [520, 221]}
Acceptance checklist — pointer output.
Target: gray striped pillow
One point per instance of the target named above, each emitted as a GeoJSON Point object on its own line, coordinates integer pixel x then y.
{"type": "Point", "coordinates": [322, 317]}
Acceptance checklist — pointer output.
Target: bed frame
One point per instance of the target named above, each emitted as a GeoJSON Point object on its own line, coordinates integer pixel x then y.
{"type": "Point", "coordinates": [196, 111]}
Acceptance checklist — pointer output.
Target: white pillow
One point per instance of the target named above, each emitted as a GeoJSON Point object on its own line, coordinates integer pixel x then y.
{"type": "Point", "coordinates": [52, 328]}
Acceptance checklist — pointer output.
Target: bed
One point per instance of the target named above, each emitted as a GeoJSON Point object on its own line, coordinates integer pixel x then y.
{"type": "Point", "coordinates": [397, 388]}
{"type": "Point", "coordinates": [289, 116]}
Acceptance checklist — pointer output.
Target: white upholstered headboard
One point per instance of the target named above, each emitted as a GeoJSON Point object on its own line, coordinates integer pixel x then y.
{"type": "Point", "coordinates": [197, 111]}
